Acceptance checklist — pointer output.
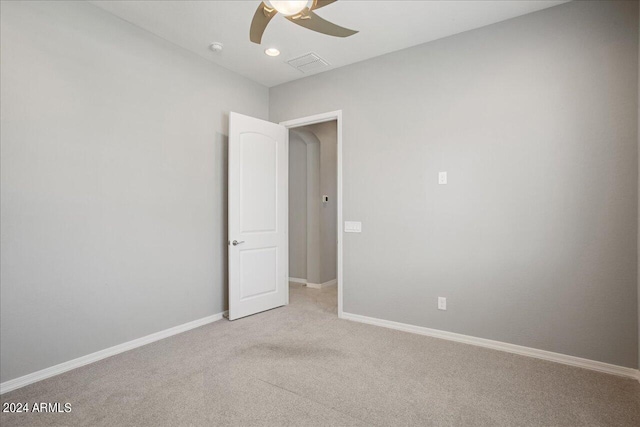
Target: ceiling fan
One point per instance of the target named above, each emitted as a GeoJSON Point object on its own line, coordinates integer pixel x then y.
{"type": "Point", "coordinates": [300, 13]}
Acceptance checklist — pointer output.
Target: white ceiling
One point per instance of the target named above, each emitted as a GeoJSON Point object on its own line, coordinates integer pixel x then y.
{"type": "Point", "coordinates": [385, 26]}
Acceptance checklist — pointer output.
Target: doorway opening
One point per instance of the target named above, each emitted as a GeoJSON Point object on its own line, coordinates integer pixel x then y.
{"type": "Point", "coordinates": [258, 212]}
{"type": "Point", "coordinates": [315, 208]}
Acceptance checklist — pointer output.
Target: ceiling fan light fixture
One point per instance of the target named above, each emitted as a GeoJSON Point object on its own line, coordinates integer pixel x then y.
{"type": "Point", "coordinates": [301, 13]}
{"type": "Point", "coordinates": [288, 8]}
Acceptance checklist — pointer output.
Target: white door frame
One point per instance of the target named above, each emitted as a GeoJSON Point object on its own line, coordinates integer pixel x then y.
{"type": "Point", "coordinates": [321, 118]}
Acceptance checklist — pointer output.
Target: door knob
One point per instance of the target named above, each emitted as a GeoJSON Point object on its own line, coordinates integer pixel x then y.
{"type": "Point", "coordinates": [236, 243]}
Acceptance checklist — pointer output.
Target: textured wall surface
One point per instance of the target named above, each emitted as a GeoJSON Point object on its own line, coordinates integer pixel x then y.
{"type": "Point", "coordinates": [534, 239]}
{"type": "Point", "coordinates": [113, 204]}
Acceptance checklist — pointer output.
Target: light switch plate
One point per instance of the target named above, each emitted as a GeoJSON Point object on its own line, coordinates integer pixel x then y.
{"type": "Point", "coordinates": [352, 227]}
{"type": "Point", "coordinates": [442, 178]}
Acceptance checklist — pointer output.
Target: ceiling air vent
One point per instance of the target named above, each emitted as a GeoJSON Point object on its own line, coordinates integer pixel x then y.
{"type": "Point", "coordinates": [308, 62]}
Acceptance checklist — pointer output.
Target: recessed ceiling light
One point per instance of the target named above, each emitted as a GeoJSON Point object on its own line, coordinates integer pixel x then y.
{"type": "Point", "coordinates": [272, 51]}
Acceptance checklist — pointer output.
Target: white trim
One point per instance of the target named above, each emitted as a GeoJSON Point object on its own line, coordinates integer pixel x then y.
{"type": "Point", "coordinates": [329, 283]}
{"type": "Point", "coordinates": [296, 280]}
{"type": "Point", "coordinates": [102, 354]}
{"type": "Point", "coordinates": [321, 118]}
{"type": "Point", "coordinates": [322, 285]}
{"type": "Point", "coordinates": [312, 120]}
{"type": "Point", "coordinates": [502, 346]}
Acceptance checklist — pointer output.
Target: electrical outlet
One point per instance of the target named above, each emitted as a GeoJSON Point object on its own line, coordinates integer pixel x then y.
{"type": "Point", "coordinates": [442, 303]}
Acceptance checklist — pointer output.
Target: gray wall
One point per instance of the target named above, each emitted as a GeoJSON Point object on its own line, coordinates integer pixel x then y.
{"type": "Point", "coordinates": [113, 182]}
{"type": "Point", "coordinates": [533, 241]}
{"type": "Point", "coordinates": [297, 206]}
{"type": "Point", "coordinates": [327, 134]}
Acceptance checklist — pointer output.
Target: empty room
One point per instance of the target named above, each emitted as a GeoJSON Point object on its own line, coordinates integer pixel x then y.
{"type": "Point", "coordinates": [319, 213]}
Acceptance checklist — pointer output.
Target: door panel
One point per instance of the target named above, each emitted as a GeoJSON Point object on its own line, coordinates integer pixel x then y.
{"type": "Point", "coordinates": [258, 275]}
{"type": "Point", "coordinates": [258, 216]}
{"type": "Point", "coordinates": [258, 183]}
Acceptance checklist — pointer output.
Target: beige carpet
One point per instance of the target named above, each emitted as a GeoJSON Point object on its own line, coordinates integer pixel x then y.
{"type": "Point", "coordinates": [300, 365]}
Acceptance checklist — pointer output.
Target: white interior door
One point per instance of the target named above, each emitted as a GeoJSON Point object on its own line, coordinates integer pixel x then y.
{"type": "Point", "coordinates": [258, 216]}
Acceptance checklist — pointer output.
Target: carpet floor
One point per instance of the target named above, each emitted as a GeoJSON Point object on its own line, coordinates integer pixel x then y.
{"type": "Point", "coordinates": [302, 366]}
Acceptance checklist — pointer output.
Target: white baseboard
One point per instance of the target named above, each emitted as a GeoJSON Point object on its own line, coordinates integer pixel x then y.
{"type": "Point", "coordinates": [102, 354]}
{"type": "Point", "coordinates": [333, 282]}
{"type": "Point", "coordinates": [314, 285]}
{"type": "Point", "coordinates": [497, 345]}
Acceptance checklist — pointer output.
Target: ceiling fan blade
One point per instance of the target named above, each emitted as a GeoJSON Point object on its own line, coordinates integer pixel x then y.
{"type": "Point", "coordinates": [321, 3]}
{"type": "Point", "coordinates": [259, 23]}
{"type": "Point", "coordinates": [320, 25]}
